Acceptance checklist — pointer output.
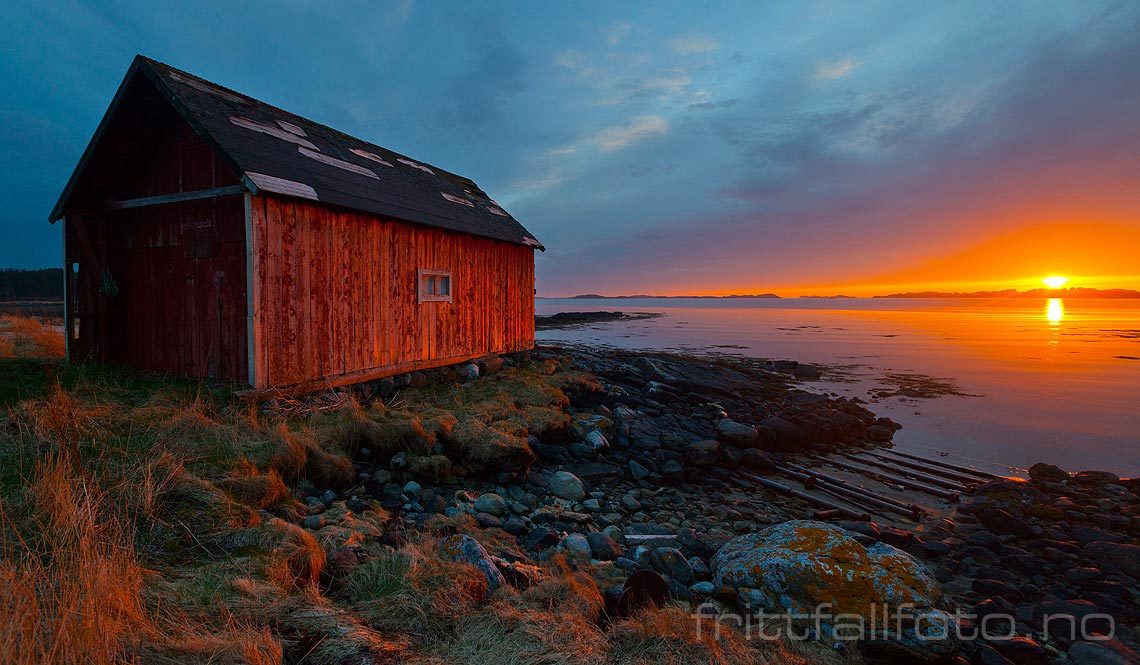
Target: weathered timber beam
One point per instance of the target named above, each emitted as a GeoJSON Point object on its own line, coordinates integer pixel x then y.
{"type": "Point", "coordinates": [945, 483]}
{"type": "Point", "coordinates": [889, 479]}
{"type": "Point", "coordinates": [926, 468]}
{"type": "Point", "coordinates": [851, 496]}
{"type": "Point", "coordinates": [985, 476]}
{"type": "Point", "coordinates": [814, 500]}
{"type": "Point", "coordinates": [178, 197]}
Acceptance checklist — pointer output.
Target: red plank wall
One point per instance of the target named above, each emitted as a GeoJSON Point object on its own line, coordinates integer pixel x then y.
{"type": "Point", "coordinates": [335, 295]}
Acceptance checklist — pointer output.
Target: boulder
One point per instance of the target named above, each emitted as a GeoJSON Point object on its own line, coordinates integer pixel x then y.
{"type": "Point", "coordinates": [801, 565]}
{"type": "Point", "coordinates": [461, 547]}
{"type": "Point", "coordinates": [672, 564]}
{"type": "Point", "coordinates": [1115, 557]}
{"type": "Point", "coordinates": [1095, 477]}
{"type": "Point", "coordinates": [758, 461]}
{"type": "Point", "coordinates": [776, 433]}
{"type": "Point", "coordinates": [576, 546]}
{"type": "Point", "coordinates": [730, 431]}
{"type": "Point", "coordinates": [703, 453]}
{"type": "Point", "coordinates": [597, 440]}
{"type": "Point", "coordinates": [566, 485]}
{"type": "Point", "coordinates": [491, 503]}
{"type": "Point", "coordinates": [1101, 652]}
{"type": "Point", "coordinates": [468, 372]}
{"type": "Point", "coordinates": [1047, 473]}
{"type": "Point", "coordinates": [1021, 650]}
{"type": "Point", "coordinates": [539, 538]}
{"type": "Point", "coordinates": [603, 547]}
{"type": "Point", "coordinates": [1001, 521]}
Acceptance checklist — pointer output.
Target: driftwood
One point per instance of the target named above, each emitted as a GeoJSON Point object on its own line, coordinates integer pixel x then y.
{"type": "Point", "coordinates": [982, 476]}
{"type": "Point", "coordinates": [891, 479]}
{"type": "Point", "coordinates": [640, 538]}
{"type": "Point", "coordinates": [812, 499]}
{"type": "Point", "coordinates": [926, 468]}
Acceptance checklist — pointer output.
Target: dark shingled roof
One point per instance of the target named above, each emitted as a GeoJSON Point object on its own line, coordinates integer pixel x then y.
{"type": "Point", "coordinates": [277, 151]}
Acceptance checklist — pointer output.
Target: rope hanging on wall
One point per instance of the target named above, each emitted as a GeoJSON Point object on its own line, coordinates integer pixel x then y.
{"type": "Point", "coordinates": [107, 284]}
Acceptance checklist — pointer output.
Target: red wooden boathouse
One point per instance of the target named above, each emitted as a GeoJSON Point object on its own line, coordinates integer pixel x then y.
{"type": "Point", "coordinates": [208, 234]}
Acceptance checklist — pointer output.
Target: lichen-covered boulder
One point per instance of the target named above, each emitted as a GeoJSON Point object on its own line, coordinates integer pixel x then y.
{"type": "Point", "coordinates": [817, 569]}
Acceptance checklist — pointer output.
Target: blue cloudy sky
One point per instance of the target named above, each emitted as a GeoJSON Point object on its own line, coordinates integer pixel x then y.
{"type": "Point", "coordinates": [658, 146]}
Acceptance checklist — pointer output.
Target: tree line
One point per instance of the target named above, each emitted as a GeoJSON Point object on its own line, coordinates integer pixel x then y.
{"type": "Point", "coordinates": [42, 284]}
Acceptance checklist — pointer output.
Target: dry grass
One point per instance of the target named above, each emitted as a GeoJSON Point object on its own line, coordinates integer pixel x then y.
{"type": "Point", "coordinates": [414, 592]}
{"type": "Point", "coordinates": [72, 587]}
{"type": "Point", "coordinates": [133, 528]}
{"type": "Point", "coordinates": [298, 455]}
{"type": "Point", "coordinates": [249, 486]}
{"type": "Point", "coordinates": [61, 418]}
{"type": "Point", "coordinates": [297, 559]}
{"type": "Point", "coordinates": [672, 636]}
{"type": "Point", "coordinates": [29, 337]}
{"type": "Point", "coordinates": [354, 427]}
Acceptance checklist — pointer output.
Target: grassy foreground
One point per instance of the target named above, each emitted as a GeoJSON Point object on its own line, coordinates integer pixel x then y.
{"type": "Point", "coordinates": [150, 520]}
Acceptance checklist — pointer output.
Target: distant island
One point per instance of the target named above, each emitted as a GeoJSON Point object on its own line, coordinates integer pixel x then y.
{"type": "Point", "coordinates": [1073, 292]}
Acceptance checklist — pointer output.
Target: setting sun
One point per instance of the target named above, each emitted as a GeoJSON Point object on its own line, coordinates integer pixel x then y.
{"type": "Point", "coordinates": [1055, 281]}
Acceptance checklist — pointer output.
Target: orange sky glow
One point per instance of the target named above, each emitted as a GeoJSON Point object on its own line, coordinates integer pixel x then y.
{"type": "Point", "coordinates": [1097, 255]}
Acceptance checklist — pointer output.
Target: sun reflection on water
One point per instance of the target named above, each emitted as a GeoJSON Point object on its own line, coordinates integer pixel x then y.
{"type": "Point", "coordinates": [1054, 311]}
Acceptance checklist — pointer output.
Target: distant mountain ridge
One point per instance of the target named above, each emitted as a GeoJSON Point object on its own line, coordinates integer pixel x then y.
{"type": "Point", "coordinates": [1073, 292]}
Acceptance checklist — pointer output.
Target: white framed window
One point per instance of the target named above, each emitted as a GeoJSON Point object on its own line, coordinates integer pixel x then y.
{"type": "Point", "coordinates": [434, 285]}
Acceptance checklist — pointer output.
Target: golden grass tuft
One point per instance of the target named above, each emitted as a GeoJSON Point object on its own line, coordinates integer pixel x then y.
{"type": "Point", "coordinates": [414, 592]}
{"type": "Point", "coordinates": [61, 418]}
{"type": "Point", "coordinates": [298, 454]}
{"type": "Point", "coordinates": [253, 488]}
{"type": "Point", "coordinates": [28, 337]}
{"type": "Point", "coordinates": [297, 559]}
{"type": "Point", "coordinates": [504, 634]}
{"type": "Point", "coordinates": [670, 635]}
{"type": "Point", "coordinates": [353, 427]}
{"type": "Point", "coordinates": [566, 591]}
{"type": "Point", "coordinates": [71, 594]}
{"type": "Point", "coordinates": [233, 644]}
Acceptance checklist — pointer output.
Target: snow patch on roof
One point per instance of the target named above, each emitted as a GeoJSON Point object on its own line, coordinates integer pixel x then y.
{"type": "Point", "coordinates": [339, 163]}
{"type": "Point", "coordinates": [370, 155]}
{"type": "Point", "coordinates": [415, 165]}
{"type": "Point", "coordinates": [456, 199]}
{"type": "Point", "coordinates": [275, 132]}
{"type": "Point", "coordinates": [282, 186]}
{"type": "Point", "coordinates": [291, 128]}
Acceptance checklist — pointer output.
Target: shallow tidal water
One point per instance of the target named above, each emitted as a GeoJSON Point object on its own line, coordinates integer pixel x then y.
{"type": "Point", "coordinates": [1040, 380]}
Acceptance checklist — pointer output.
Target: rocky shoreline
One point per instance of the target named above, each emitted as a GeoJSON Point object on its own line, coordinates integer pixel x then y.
{"type": "Point", "coordinates": [651, 462]}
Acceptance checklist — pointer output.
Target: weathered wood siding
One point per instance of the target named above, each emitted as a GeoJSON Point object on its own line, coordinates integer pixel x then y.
{"type": "Point", "coordinates": [179, 305]}
{"type": "Point", "coordinates": [335, 295]}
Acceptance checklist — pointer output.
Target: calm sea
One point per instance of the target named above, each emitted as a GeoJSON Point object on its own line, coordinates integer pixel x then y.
{"type": "Point", "coordinates": [1046, 380]}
